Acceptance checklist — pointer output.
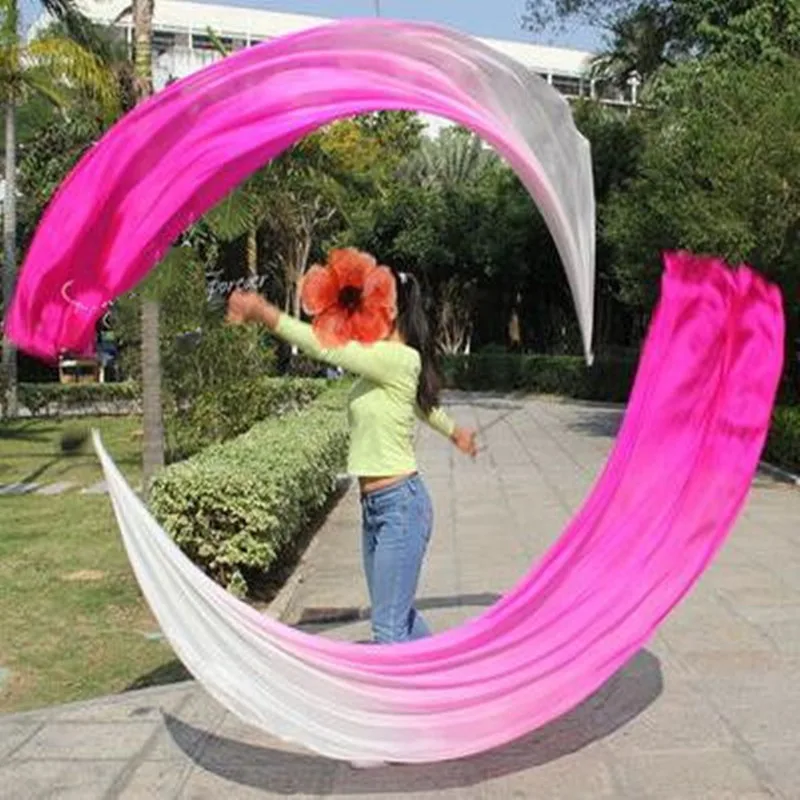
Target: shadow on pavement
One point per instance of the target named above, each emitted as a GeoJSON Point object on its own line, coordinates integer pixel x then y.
{"type": "Point", "coordinates": [606, 422]}
{"type": "Point", "coordinates": [596, 422]}
{"type": "Point", "coordinates": [484, 401]}
{"type": "Point", "coordinates": [318, 620]}
{"type": "Point", "coordinates": [170, 672]}
{"type": "Point", "coordinates": [621, 699]}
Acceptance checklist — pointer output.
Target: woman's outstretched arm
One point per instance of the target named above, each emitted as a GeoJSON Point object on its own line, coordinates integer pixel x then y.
{"type": "Point", "coordinates": [367, 360]}
{"type": "Point", "coordinates": [374, 363]}
{"type": "Point", "coordinates": [463, 438]}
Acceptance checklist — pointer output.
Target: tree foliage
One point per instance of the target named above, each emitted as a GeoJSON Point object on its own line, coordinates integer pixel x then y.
{"type": "Point", "coordinates": [199, 353]}
{"type": "Point", "coordinates": [639, 46]}
{"type": "Point", "coordinates": [57, 68]}
{"type": "Point", "coordinates": [455, 158]}
{"type": "Point", "coordinates": [458, 218]}
{"type": "Point", "coordinates": [51, 68]}
{"type": "Point", "coordinates": [719, 173]}
{"type": "Point", "coordinates": [714, 158]}
{"type": "Point", "coordinates": [740, 30]}
{"type": "Point", "coordinates": [47, 158]}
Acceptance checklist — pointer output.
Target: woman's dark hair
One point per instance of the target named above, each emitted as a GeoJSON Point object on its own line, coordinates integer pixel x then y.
{"type": "Point", "coordinates": [412, 325]}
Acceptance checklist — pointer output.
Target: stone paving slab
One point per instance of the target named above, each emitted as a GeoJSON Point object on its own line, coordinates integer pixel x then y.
{"type": "Point", "coordinates": [710, 709]}
{"type": "Point", "coordinates": [59, 487]}
{"type": "Point", "coordinates": [96, 488]}
{"type": "Point", "coordinates": [18, 488]}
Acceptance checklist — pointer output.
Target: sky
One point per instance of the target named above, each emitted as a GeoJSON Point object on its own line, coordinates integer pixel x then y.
{"type": "Point", "coordinates": [494, 19]}
{"type": "Point", "coordinates": [498, 19]}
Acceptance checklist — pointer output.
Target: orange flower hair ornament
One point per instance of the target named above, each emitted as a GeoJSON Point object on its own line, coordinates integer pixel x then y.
{"type": "Point", "coordinates": [350, 298]}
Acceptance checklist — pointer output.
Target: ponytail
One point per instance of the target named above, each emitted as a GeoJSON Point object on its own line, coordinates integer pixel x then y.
{"type": "Point", "coordinates": [412, 324]}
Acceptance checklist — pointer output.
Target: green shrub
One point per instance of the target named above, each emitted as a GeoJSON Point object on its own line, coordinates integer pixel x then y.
{"type": "Point", "coordinates": [482, 372]}
{"type": "Point", "coordinates": [301, 366]}
{"type": "Point", "coordinates": [61, 398]}
{"type": "Point", "coordinates": [608, 380]}
{"type": "Point", "coordinates": [199, 352]}
{"type": "Point", "coordinates": [220, 414]}
{"type": "Point", "coordinates": [234, 507]}
{"type": "Point", "coordinates": [783, 442]}
{"type": "Point", "coordinates": [554, 375]}
{"type": "Point", "coordinates": [74, 439]}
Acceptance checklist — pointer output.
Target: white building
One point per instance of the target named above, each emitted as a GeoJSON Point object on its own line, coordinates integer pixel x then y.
{"type": "Point", "coordinates": [181, 44]}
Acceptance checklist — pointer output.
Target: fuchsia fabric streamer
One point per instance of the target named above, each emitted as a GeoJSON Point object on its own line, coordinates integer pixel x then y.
{"type": "Point", "coordinates": [176, 155]}
{"type": "Point", "coordinates": [674, 484]}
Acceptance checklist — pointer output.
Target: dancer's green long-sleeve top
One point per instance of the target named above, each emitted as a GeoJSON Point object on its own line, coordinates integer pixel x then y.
{"type": "Point", "coordinates": [382, 408]}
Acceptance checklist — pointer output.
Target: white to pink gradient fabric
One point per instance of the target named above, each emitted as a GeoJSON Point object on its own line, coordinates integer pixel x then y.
{"type": "Point", "coordinates": [673, 486]}
{"type": "Point", "coordinates": [677, 477]}
{"type": "Point", "coordinates": [176, 155]}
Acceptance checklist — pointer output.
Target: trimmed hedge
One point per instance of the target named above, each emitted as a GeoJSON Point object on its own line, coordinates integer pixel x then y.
{"type": "Point", "coordinates": [608, 380]}
{"type": "Point", "coordinates": [217, 416]}
{"type": "Point", "coordinates": [783, 442]}
{"type": "Point", "coordinates": [234, 507]}
{"type": "Point", "coordinates": [55, 399]}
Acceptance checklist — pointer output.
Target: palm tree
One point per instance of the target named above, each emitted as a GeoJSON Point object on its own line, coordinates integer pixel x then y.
{"type": "Point", "coordinates": [455, 158]}
{"type": "Point", "coordinates": [292, 201]}
{"type": "Point", "coordinates": [242, 211]}
{"type": "Point", "coordinates": [152, 413]}
{"type": "Point", "coordinates": [53, 66]}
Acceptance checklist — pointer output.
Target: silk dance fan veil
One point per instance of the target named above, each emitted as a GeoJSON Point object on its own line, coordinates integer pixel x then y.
{"type": "Point", "coordinates": [177, 155]}
{"type": "Point", "coordinates": [694, 429]}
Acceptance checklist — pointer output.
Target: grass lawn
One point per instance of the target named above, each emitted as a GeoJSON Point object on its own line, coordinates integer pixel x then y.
{"type": "Point", "coordinates": [30, 450]}
{"type": "Point", "coordinates": [72, 622]}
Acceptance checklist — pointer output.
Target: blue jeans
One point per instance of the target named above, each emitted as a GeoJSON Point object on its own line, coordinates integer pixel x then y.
{"type": "Point", "coordinates": [397, 525]}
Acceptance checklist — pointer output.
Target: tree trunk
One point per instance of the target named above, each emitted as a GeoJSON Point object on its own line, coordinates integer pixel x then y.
{"type": "Point", "coordinates": [153, 445]}
{"type": "Point", "coordinates": [143, 48]}
{"type": "Point", "coordinates": [153, 454]}
{"type": "Point", "coordinates": [10, 256]}
{"type": "Point", "coordinates": [299, 272]}
{"type": "Point", "coordinates": [515, 331]}
{"type": "Point", "coordinates": [252, 252]}
{"type": "Point", "coordinates": [296, 303]}
{"type": "Point", "coordinates": [301, 265]}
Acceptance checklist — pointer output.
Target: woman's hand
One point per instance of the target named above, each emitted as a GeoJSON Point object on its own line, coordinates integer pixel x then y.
{"type": "Point", "coordinates": [244, 307]}
{"type": "Point", "coordinates": [465, 440]}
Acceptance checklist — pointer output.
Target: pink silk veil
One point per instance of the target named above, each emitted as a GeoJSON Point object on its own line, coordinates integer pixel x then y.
{"type": "Point", "coordinates": [672, 488]}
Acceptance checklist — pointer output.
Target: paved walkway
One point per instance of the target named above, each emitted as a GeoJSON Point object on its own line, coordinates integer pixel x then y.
{"type": "Point", "coordinates": [711, 709]}
{"type": "Point", "coordinates": [50, 489]}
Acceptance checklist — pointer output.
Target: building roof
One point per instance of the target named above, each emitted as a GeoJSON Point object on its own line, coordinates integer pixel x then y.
{"type": "Point", "coordinates": [253, 23]}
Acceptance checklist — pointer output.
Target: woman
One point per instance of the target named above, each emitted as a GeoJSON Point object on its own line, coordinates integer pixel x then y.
{"type": "Point", "coordinates": [398, 383]}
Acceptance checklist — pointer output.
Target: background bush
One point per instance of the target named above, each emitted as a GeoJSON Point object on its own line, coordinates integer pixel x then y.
{"type": "Point", "coordinates": [199, 353]}
{"type": "Point", "coordinates": [65, 398]}
{"type": "Point", "coordinates": [220, 414]}
{"type": "Point", "coordinates": [234, 507]}
{"type": "Point", "coordinates": [783, 443]}
{"type": "Point", "coordinates": [607, 380]}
